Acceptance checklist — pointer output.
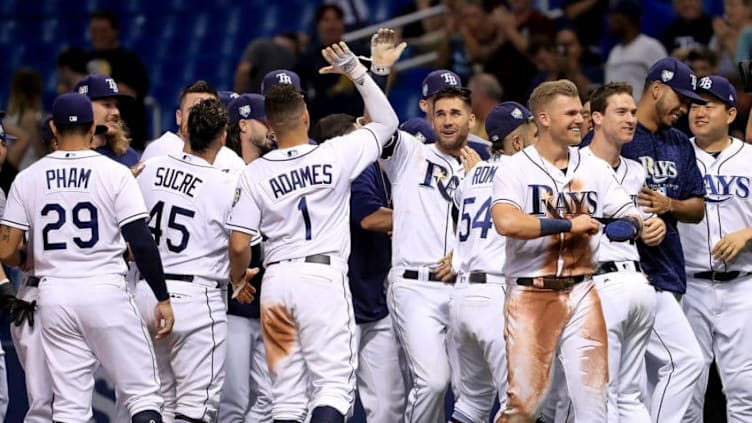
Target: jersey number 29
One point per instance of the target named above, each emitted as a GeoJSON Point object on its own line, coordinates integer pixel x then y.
{"type": "Point", "coordinates": [85, 216]}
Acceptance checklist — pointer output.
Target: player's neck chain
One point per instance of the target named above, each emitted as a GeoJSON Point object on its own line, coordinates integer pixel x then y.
{"type": "Point", "coordinates": [387, 193]}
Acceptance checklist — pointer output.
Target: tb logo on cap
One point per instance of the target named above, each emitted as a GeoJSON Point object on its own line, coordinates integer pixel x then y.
{"type": "Point", "coordinates": [449, 79]}
{"type": "Point", "coordinates": [111, 83]}
{"type": "Point", "coordinates": [284, 78]}
{"type": "Point", "coordinates": [706, 83]}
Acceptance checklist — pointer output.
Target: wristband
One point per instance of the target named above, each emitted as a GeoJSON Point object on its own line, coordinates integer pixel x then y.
{"type": "Point", "coordinates": [554, 226]}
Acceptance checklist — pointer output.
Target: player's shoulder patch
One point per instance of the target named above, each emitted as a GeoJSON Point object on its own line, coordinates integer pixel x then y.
{"type": "Point", "coordinates": [236, 197]}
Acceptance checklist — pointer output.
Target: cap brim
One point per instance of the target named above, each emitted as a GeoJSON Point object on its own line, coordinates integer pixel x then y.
{"type": "Point", "coordinates": [120, 97]}
{"type": "Point", "coordinates": [100, 129]}
{"type": "Point", "coordinates": [691, 95]}
{"type": "Point", "coordinates": [717, 97]}
{"type": "Point", "coordinates": [9, 137]}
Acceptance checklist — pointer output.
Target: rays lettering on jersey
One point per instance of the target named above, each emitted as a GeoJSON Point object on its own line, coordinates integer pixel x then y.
{"type": "Point", "coordinates": [660, 171]}
{"type": "Point", "coordinates": [67, 178]}
{"type": "Point", "coordinates": [566, 203]}
{"type": "Point", "coordinates": [438, 174]}
{"type": "Point", "coordinates": [720, 188]}
{"type": "Point", "coordinates": [285, 183]}
{"type": "Point", "coordinates": [177, 180]}
{"type": "Point", "coordinates": [483, 175]}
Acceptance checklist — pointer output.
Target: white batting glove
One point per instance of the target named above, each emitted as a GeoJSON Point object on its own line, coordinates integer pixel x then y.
{"type": "Point", "coordinates": [384, 51]}
{"type": "Point", "coordinates": [342, 60]}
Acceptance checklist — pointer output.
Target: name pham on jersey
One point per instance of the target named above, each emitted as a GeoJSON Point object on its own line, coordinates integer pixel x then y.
{"type": "Point", "coordinates": [68, 178]}
{"type": "Point", "coordinates": [318, 174]}
{"type": "Point", "coordinates": [177, 180]}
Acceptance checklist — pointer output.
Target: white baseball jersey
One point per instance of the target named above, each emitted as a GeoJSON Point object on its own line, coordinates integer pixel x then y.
{"type": "Point", "coordinates": [423, 183]}
{"type": "Point", "coordinates": [479, 247]}
{"type": "Point", "coordinates": [631, 176]}
{"type": "Point", "coordinates": [534, 185]}
{"type": "Point", "coordinates": [728, 208]}
{"type": "Point", "coordinates": [70, 202]}
{"type": "Point", "coordinates": [304, 194]}
{"type": "Point", "coordinates": [171, 143]}
{"type": "Point", "coordinates": [189, 202]}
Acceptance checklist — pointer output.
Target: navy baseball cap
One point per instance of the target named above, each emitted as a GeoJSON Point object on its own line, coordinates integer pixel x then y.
{"type": "Point", "coordinates": [74, 109]}
{"type": "Point", "coordinates": [437, 80]}
{"type": "Point", "coordinates": [247, 106]}
{"type": "Point", "coordinates": [676, 75]}
{"type": "Point", "coordinates": [226, 97]}
{"type": "Point", "coordinates": [505, 118]}
{"type": "Point", "coordinates": [97, 86]}
{"type": "Point", "coordinates": [280, 76]}
{"type": "Point", "coordinates": [4, 135]}
{"type": "Point", "coordinates": [420, 129]}
{"type": "Point", "coordinates": [719, 87]}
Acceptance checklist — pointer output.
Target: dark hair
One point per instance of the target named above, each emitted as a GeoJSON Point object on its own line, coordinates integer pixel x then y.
{"type": "Point", "coordinates": [332, 126]}
{"type": "Point", "coordinates": [207, 120]}
{"type": "Point", "coordinates": [199, 86]}
{"type": "Point", "coordinates": [77, 129]}
{"type": "Point", "coordinates": [453, 92]}
{"type": "Point", "coordinates": [73, 58]}
{"type": "Point", "coordinates": [321, 11]}
{"type": "Point", "coordinates": [599, 97]}
{"type": "Point", "coordinates": [283, 105]}
{"type": "Point", "coordinates": [703, 53]}
{"type": "Point", "coordinates": [107, 15]}
{"type": "Point", "coordinates": [233, 138]}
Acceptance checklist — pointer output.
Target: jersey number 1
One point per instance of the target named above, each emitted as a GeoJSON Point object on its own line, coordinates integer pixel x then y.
{"type": "Point", "coordinates": [303, 207]}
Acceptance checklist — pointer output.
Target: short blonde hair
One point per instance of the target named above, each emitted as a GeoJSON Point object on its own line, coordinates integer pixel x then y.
{"type": "Point", "coordinates": [546, 91]}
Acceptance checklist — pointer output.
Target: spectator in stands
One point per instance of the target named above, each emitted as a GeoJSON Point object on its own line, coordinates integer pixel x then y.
{"type": "Point", "coordinates": [327, 93]}
{"type": "Point", "coordinates": [429, 34]}
{"type": "Point", "coordinates": [691, 29]}
{"type": "Point", "coordinates": [485, 93]}
{"type": "Point", "coordinates": [518, 22]}
{"type": "Point", "coordinates": [565, 59]}
{"type": "Point", "coordinates": [733, 35]}
{"type": "Point", "coordinates": [631, 58]}
{"type": "Point", "coordinates": [109, 58]}
{"type": "Point", "coordinates": [71, 68]}
{"type": "Point", "coordinates": [471, 38]}
{"type": "Point", "coordinates": [355, 12]}
{"type": "Point", "coordinates": [703, 61]}
{"type": "Point", "coordinates": [588, 17]}
{"type": "Point", "coordinates": [263, 55]}
{"type": "Point", "coordinates": [24, 111]}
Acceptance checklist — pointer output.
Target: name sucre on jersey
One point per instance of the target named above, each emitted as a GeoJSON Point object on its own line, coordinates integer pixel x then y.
{"type": "Point", "coordinates": [176, 180]}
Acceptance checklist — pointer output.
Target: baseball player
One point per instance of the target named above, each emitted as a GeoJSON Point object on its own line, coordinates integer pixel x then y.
{"type": "Point", "coordinates": [106, 99]}
{"type": "Point", "coordinates": [189, 202]}
{"type": "Point", "coordinates": [432, 83]}
{"type": "Point", "coordinates": [627, 298]}
{"type": "Point", "coordinates": [674, 191]}
{"type": "Point", "coordinates": [79, 209]}
{"type": "Point", "coordinates": [381, 387]}
{"type": "Point", "coordinates": [246, 394]}
{"type": "Point", "coordinates": [478, 299]}
{"type": "Point", "coordinates": [545, 203]}
{"type": "Point", "coordinates": [424, 177]}
{"type": "Point", "coordinates": [172, 143]}
{"type": "Point", "coordinates": [719, 263]}
{"type": "Point", "coordinates": [280, 76]}
{"type": "Point", "coordinates": [297, 197]}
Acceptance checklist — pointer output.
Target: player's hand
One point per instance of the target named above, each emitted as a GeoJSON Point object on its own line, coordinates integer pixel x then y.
{"type": "Point", "coordinates": [653, 231]}
{"type": "Point", "coordinates": [469, 158]}
{"type": "Point", "coordinates": [384, 50]}
{"type": "Point", "coordinates": [444, 269]}
{"type": "Point", "coordinates": [164, 318]}
{"type": "Point", "coordinates": [731, 245]}
{"type": "Point", "coordinates": [653, 201]}
{"type": "Point", "coordinates": [584, 224]}
{"type": "Point", "coordinates": [20, 311]}
{"type": "Point", "coordinates": [137, 169]}
{"type": "Point", "coordinates": [342, 60]}
{"type": "Point", "coordinates": [242, 290]}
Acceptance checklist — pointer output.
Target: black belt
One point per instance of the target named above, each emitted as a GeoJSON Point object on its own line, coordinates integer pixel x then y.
{"type": "Point", "coordinates": [611, 266]}
{"type": "Point", "coordinates": [414, 274]}
{"type": "Point", "coordinates": [720, 276]}
{"type": "Point", "coordinates": [32, 281]}
{"type": "Point", "coordinates": [316, 258]}
{"type": "Point", "coordinates": [182, 278]}
{"type": "Point", "coordinates": [556, 283]}
{"type": "Point", "coordinates": [477, 277]}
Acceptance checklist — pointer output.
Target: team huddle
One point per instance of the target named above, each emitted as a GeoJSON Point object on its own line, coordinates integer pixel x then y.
{"type": "Point", "coordinates": [575, 274]}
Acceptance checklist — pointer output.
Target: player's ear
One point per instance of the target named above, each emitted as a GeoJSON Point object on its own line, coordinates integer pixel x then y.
{"type": "Point", "coordinates": [306, 119]}
{"type": "Point", "coordinates": [471, 121]}
{"type": "Point", "coordinates": [423, 104]}
{"type": "Point", "coordinates": [731, 115]}
{"type": "Point", "coordinates": [179, 117]}
{"type": "Point", "coordinates": [243, 125]}
{"type": "Point", "coordinates": [597, 118]}
{"type": "Point", "coordinates": [223, 137]}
